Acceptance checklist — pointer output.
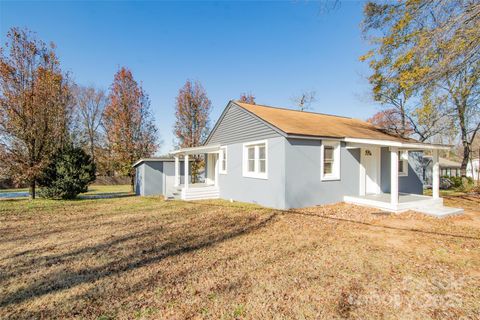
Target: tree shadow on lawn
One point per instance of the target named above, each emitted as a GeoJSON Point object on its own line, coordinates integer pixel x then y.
{"type": "Point", "coordinates": [105, 195]}
{"type": "Point", "coordinates": [149, 247]}
{"type": "Point", "coordinates": [428, 232]}
{"type": "Point", "coordinates": [340, 219]}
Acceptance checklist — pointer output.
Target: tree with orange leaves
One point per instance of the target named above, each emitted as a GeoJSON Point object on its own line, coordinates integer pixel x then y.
{"type": "Point", "coordinates": [390, 120]}
{"type": "Point", "coordinates": [129, 125]}
{"type": "Point", "coordinates": [35, 106]}
{"type": "Point", "coordinates": [192, 119]}
{"type": "Point", "coordinates": [247, 98]}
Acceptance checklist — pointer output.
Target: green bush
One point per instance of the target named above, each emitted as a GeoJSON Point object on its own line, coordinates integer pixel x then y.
{"type": "Point", "coordinates": [461, 183]}
{"type": "Point", "coordinates": [69, 173]}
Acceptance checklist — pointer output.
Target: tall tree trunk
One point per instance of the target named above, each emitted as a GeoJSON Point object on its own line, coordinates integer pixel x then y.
{"type": "Point", "coordinates": [464, 137]}
{"type": "Point", "coordinates": [92, 148]}
{"type": "Point", "coordinates": [466, 156]}
{"type": "Point", "coordinates": [33, 185]}
{"type": "Point", "coordinates": [132, 182]}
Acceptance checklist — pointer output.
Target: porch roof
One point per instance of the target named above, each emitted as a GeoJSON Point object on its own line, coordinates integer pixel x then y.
{"type": "Point", "coordinates": [197, 150]}
{"type": "Point", "coordinates": [355, 142]}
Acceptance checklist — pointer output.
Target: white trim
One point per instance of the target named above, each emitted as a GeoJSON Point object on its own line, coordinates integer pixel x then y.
{"type": "Point", "coordinates": [335, 175]}
{"type": "Point", "coordinates": [256, 174]}
{"type": "Point", "coordinates": [220, 158]}
{"type": "Point", "coordinates": [176, 182]}
{"type": "Point", "coordinates": [394, 177]}
{"type": "Point", "coordinates": [186, 174]}
{"type": "Point", "coordinates": [217, 168]}
{"type": "Point", "coordinates": [406, 145]}
{"type": "Point", "coordinates": [435, 175]}
{"type": "Point", "coordinates": [197, 150]}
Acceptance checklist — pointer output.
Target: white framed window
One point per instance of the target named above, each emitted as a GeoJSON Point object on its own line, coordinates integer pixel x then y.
{"type": "Point", "coordinates": [330, 160]}
{"type": "Point", "coordinates": [402, 163]}
{"type": "Point", "coordinates": [255, 159]}
{"type": "Point", "coordinates": [223, 160]}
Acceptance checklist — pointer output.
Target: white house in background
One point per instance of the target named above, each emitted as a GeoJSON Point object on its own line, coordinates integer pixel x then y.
{"type": "Point", "coordinates": [473, 169]}
{"type": "Point", "coordinates": [284, 159]}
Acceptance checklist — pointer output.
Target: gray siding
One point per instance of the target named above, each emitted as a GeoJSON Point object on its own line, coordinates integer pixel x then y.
{"type": "Point", "coordinates": [139, 178]}
{"type": "Point", "coordinates": [303, 184]}
{"type": "Point", "coordinates": [413, 183]}
{"type": "Point", "coordinates": [156, 177]}
{"type": "Point", "coordinates": [266, 192]}
{"type": "Point", "coordinates": [153, 178]}
{"type": "Point", "coordinates": [238, 125]}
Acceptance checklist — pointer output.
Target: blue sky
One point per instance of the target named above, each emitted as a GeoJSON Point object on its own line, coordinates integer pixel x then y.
{"type": "Point", "coordinates": [273, 49]}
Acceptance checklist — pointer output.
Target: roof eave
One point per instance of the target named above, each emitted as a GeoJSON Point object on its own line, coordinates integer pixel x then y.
{"type": "Point", "coordinates": [196, 150]}
{"type": "Point", "coordinates": [399, 144]}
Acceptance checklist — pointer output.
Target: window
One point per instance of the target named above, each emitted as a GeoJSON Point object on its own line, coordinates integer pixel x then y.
{"type": "Point", "coordinates": [223, 160]}
{"type": "Point", "coordinates": [330, 160]}
{"type": "Point", "coordinates": [403, 163]}
{"type": "Point", "coordinates": [255, 162]}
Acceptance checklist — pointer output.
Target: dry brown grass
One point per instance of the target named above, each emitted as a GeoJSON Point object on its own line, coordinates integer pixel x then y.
{"type": "Point", "coordinates": [147, 258]}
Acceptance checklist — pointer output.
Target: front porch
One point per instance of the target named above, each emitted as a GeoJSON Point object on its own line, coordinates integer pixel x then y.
{"type": "Point", "coordinates": [201, 190]}
{"type": "Point", "coordinates": [390, 199]}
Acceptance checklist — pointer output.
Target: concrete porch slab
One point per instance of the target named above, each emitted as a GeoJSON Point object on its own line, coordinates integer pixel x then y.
{"type": "Point", "coordinates": [419, 203]}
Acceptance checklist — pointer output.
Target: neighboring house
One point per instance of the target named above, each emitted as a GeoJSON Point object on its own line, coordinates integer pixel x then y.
{"type": "Point", "coordinates": [448, 168]}
{"type": "Point", "coordinates": [473, 169]}
{"type": "Point", "coordinates": [284, 159]}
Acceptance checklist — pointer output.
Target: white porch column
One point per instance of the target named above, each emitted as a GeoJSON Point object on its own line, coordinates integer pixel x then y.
{"type": "Point", "coordinates": [177, 172]}
{"type": "Point", "coordinates": [186, 174]}
{"type": "Point", "coordinates": [394, 176]}
{"type": "Point", "coordinates": [435, 175]}
{"type": "Point", "coordinates": [217, 168]}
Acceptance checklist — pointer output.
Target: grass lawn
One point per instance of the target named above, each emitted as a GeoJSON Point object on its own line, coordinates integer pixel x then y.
{"type": "Point", "coordinates": [135, 257]}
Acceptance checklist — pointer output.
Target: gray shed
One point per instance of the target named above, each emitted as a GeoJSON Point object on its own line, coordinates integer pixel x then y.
{"type": "Point", "coordinates": [155, 176]}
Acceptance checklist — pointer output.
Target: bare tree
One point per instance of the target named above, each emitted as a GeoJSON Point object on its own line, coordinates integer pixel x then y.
{"type": "Point", "coordinates": [90, 103]}
{"type": "Point", "coordinates": [304, 100]}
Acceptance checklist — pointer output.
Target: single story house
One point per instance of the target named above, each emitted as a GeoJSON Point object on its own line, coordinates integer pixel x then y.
{"type": "Point", "coordinates": [282, 158]}
{"type": "Point", "coordinates": [448, 168]}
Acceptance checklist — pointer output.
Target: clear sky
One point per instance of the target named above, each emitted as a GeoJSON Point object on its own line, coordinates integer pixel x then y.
{"type": "Point", "coordinates": [273, 49]}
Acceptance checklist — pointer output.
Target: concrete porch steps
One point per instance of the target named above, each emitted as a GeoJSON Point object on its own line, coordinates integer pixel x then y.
{"type": "Point", "coordinates": [439, 211]}
{"type": "Point", "coordinates": [208, 192]}
{"type": "Point", "coordinates": [194, 193]}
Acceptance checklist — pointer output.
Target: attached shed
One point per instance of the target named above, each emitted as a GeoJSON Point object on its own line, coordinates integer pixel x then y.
{"type": "Point", "coordinates": [155, 176]}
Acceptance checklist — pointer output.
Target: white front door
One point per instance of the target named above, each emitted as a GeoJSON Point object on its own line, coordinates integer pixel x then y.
{"type": "Point", "coordinates": [371, 162]}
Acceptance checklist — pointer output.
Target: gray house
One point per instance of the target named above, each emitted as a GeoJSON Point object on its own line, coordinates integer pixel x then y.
{"type": "Point", "coordinates": [448, 168]}
{"type": "Point", "coordinates": [284, 159]}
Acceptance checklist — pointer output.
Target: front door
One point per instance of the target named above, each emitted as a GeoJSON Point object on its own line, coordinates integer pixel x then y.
{"type": "Point", "coordinates": [371, 163]}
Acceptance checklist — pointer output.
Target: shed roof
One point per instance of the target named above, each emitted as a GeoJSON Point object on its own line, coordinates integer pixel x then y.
{"type": "Point", "coordinates": [159, 159]}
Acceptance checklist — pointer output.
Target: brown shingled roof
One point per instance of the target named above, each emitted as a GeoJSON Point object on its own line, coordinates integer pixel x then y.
{"type": "Point", "coordinates": [303, 123]}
